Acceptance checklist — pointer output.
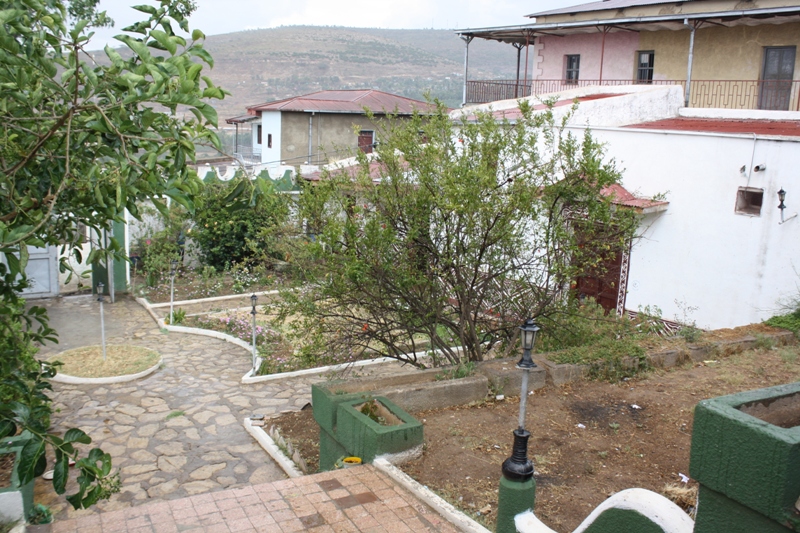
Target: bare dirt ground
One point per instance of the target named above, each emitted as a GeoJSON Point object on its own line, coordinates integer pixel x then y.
{"type": "Point", "coordinates": [589, 439]}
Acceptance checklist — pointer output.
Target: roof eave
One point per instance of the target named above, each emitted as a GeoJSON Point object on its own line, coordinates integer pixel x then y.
{"type": "Point", "coordinates": [634, 20]}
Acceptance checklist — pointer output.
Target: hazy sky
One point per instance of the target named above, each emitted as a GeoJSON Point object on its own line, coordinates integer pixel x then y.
{"type": "Point", "coordinates": [226, 16]}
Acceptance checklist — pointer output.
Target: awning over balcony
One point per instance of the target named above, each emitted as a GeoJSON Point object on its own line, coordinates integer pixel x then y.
{"type": "Point", "coordinates": [524, 34]}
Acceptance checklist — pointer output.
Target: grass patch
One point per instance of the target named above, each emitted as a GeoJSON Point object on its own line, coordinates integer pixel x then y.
{"type": "Point", "coordinates": [175, 414]}
{"type": "Point", "coordinates": [121, 360]}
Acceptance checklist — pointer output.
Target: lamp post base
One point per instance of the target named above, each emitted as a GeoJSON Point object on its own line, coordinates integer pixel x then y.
{"type": "Point", "coordinates": [513, 498]}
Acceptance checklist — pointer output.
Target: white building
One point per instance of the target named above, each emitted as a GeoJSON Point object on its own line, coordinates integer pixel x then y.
{"type": "Point", "coordinates": [721, 252]}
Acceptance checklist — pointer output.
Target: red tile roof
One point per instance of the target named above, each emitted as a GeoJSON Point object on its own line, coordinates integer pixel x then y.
{"type": "Point", "coordinates": [620, 196]}
{"type": "Point", "coordinates": [787, 128]}
{"type": "Point", "coordinates": [346, 102]}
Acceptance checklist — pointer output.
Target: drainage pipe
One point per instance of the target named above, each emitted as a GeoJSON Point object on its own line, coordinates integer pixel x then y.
{"type": "Point", "coordinates": [687, 92]}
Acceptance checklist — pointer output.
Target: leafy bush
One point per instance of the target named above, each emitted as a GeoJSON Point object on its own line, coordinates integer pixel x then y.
{"type": "Point", "coordinates": [608, 359]}
{"type": "Point", "coordinates": [790, 321]}
{"type": "Point", "coordinates": [231, 228]}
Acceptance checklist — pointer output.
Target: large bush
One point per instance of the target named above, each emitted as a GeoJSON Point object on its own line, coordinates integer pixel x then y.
{"type": "Point", "coordinates": [234, 220]}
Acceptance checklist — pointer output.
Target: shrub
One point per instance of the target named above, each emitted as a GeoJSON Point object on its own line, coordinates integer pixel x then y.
{"type": "Point", "coordinates": [229, 230]}
{"type": "Point", "coordinates": [608, 359]}
{"type": "Point", "coordinates": [790, 321]}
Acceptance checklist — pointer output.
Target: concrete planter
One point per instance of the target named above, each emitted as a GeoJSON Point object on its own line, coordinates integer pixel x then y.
{"type": "Point", "coordinates": [345, 431]}
{"type": "Point", "coordinates": [16, 500]}
{"type": "Point", "coordinates": [746, 457]}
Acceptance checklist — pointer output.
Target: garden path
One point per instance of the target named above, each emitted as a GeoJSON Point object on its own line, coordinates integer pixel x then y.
{"type": "Point", "coordinates": [177, 432]}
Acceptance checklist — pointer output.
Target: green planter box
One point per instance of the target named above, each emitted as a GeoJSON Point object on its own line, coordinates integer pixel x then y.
{"type": "Point", "coordinates": [363, 437]}
{"type": "Point", "coordinates": [16, 500]}
{"type": "Point", "coordinates": [746, 457]}
{"type": "Point", "coordinates": [346, 431]}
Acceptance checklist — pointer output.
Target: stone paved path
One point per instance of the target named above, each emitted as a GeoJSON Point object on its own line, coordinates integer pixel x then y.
{"type": "Point", "coordinates": [177, 432]}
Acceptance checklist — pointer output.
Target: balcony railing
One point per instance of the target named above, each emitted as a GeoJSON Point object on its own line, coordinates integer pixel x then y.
{"type": "Point", "coordinates": [728, 94]}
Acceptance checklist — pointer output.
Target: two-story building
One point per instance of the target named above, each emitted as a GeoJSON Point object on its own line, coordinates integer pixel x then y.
{"type": "Point", "coordinates": [724, 53]}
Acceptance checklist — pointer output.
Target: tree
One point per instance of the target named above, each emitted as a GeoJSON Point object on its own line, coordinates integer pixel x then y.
{"type": "Point", "coordinates": [81, 142]}
{"type": "Point", "coordinates": [236, 220]}
{"type": "Point", "coordinates": [454, 234]}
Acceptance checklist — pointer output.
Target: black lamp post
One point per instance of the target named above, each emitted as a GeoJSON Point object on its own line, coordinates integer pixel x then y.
{"type": "Point", "coordinates": [253, 300]}
{"type": "Point", "coordinates": [782, 197]}
{"type": "Point", "coordinates": [100, 288]}
{"type": "Point", "coordinates": [518, 467]}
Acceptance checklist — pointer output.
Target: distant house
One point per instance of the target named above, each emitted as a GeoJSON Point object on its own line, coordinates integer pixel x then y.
{"type": "Point", "coordinates": [318, 128]}
{"type": "Point", "coordinates": [718, 247]}
{"type": "Point", "coordinates": [723, 53]}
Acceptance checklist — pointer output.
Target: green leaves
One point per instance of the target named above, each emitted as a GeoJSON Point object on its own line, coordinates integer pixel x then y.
{"type": "Point", "coordinates": [81, 142]}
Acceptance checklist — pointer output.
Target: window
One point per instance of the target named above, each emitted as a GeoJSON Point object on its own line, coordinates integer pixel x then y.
{"type": "Point", "coordinates": [573, 67]}
{"type": "Point", "coordinates": [269, 140]}
{"type": "Point", "coordinates": [366, 141]}
{"type": "Point", "coordinates": [644, 66]}
{"type": "Point", "coordinates": [258, 134]}
{"type": "Point", "coordinates": [748, 201]}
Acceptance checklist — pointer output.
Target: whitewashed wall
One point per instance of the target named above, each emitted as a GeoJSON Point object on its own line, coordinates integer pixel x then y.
{"type": "Point", "coordinates": [271, 125]}
{"type": "Point", "coordinates": [734, 268]}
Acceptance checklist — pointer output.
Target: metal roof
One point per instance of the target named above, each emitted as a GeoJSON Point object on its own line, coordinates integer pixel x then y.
{"type": "Point", "coordinates": [783, 128]}
{"type": "Point", "coordinates": [525, 33]}
{"type": "Point", "coordinates": [350, 101]}
{"type": "Point", "coordinates": [241, 119]}
{"type": "Point", "coordinates": [602, 5]}
{"type": "Point", "coordinates": [620, 196]}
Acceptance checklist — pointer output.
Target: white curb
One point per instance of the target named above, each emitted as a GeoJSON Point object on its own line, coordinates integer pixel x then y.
{"type": "Point", "coordinates": [75, 380]}
{"type": "Point", "coordinates": [211, 299]}
{"type": "Point", "coordinates": [448, 512]}
{"type": "Point", "coordinates": [272, 449]}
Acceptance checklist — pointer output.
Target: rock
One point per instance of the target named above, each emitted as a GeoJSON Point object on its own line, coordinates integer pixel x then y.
{"type": "Point", "coordinates": [143, 456]}
{"type": "Point", "coordinates": [171, 464]}
{"type": "Point", "coordinates": [161, 490]}
{"type": "Point", "coordinates": [148, 430]}
{"type": "Point", "coordinates": [199, 487]}
{"type": "Point", "coordinates": [206, 471]}
{"type": "Point", "coordinates": [225, 420]}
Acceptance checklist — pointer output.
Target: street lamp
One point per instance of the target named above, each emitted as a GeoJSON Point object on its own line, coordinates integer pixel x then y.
{"type": "Point", "coordinates": [100, 287]}
{"type": "Point", "coordinates": [782, 206]}
{"type": "Point", "coordinates": [253, 300]}
{"type": "Point", "coordinates": [518, 467]}
{"type": "Point", "coordinates": [173, 266]}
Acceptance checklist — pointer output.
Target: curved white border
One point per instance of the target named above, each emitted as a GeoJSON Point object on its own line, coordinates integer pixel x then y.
{"type": "Point", "coordinates": [74, 380]}
{"type": "Point", "coordinates": [272, 449]}
{"type": "Point", "coordinates": [662, 512]}
{"type": "Point", "coordinates": [426, 495]}
{"type": "Point", "coordinates": [211, 299]}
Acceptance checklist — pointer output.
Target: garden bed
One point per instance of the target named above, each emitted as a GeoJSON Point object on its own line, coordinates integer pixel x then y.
{"type": "Point", "coordinates": [589, 438]}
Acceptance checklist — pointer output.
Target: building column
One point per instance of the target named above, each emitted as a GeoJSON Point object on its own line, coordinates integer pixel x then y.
{"type": "Point", "coordinates": [467, 39]}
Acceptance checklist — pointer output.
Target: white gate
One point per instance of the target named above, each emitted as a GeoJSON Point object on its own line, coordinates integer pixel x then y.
{"type": "Point", "coordinates": [42, 272]}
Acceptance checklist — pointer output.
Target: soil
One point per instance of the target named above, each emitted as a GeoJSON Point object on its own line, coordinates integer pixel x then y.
{"type": "Point", "coordinates": [120, 360]}
{"type": "Point", "coordinates": [6, 464]}
{"type": "Point", "coordinates": [589, 439]}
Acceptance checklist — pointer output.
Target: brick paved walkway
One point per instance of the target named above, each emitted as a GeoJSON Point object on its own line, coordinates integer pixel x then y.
{"type": "Point", "coordinates": [359, 499]}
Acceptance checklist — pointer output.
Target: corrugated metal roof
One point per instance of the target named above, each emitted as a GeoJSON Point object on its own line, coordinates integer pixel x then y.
{"type": "Point", "coordinates": [240, 119]}
{"type": "Point", "coordinates": [601, 6]}
{"type": "Point", "coordinates": [353, 101]}
{"type": "Point", "coordinates": [784, 128]}
{"type": "Point", "coordinates": [620, 196]}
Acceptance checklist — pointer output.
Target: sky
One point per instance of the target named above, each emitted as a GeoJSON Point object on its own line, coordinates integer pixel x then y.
{"type": "Point", "coordinates": [226, 16]}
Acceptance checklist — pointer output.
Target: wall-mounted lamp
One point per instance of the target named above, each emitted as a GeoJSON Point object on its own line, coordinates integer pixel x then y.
{"type": "Point", "coordinates": [782, 206]}
{"type": "Point", "coordinates": [760, 168]}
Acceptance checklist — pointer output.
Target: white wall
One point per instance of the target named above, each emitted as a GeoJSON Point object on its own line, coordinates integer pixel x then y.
{"type": "Point", "coordinates": [733, 268]}
{"type": "Point", "coordinates": [271, 125]}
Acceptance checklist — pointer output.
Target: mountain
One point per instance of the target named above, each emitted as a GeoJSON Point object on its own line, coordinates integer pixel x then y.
{"type": "Point", "coordinates": [263, 65]}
